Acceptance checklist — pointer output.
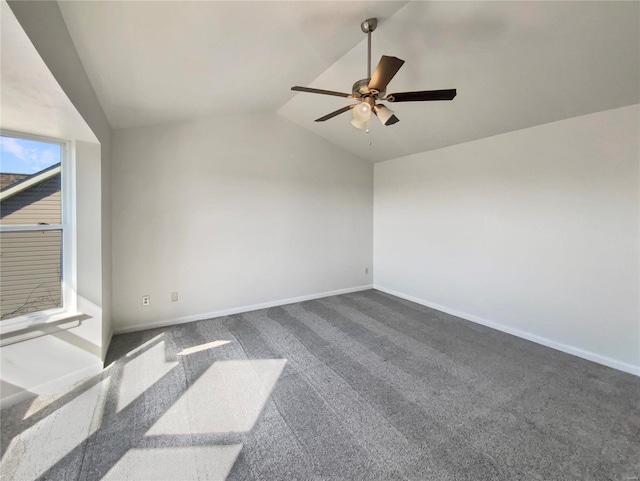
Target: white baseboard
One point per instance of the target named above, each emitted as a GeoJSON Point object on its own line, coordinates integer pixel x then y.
{"type": "Point", "coordinates": [58, 385]}
{"type": "Point", "coordinates": [591, 356]}
{"type": "Point", "coordinates": [237, 310]}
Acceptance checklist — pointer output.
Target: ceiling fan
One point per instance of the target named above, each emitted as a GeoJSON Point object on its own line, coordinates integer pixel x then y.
{"type": "Point", "coordinates": [371, 90]}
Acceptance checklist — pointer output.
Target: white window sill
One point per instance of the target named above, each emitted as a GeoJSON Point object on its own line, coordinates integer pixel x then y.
{"type": "Point", "coordinates": [35, 325]}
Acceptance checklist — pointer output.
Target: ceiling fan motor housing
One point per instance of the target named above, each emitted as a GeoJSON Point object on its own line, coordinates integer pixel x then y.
{"type": "Point", "coordinates": [361, 89]}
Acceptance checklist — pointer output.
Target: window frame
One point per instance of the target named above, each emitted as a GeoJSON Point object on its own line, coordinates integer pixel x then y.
{"type": "Point", "coordinates": [68, 234]}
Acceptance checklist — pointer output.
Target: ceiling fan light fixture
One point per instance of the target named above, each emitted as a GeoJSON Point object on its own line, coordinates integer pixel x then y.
{"type": "Point", "coordinates": [385, 115]}
{"type": "Point", "coordinates": [362, 112]}
{"type": "Point", "coordinates": [362, 125]}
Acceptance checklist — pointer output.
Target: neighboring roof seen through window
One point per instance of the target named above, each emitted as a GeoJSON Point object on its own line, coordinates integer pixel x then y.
{"type": "Point", "coordinates": [21, 158]}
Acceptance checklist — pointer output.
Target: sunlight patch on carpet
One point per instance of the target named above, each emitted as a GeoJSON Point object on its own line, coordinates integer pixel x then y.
{"type": "Point", "coordinates": [38, 448]}
{"type": "Point", "coordinates": [142, 372]}
{"type": "Point", "coordinates": [228, 397]}
{"type": "Point", "coordinates": [160, 464]}
{"type": "Point", "coordinates": [202, 347]}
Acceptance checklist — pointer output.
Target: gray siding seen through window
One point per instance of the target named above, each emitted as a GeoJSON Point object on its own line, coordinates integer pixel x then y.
{"type": "Point", "coordinates": [30, 272]}
{"type": "Point", "coordinates": [39, 203]}
{"type": "Point", "coordinates": [31, 260]}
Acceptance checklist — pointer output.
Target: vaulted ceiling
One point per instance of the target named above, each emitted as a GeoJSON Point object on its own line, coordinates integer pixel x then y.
{"type": "Point", "coordinates": [515, 64]}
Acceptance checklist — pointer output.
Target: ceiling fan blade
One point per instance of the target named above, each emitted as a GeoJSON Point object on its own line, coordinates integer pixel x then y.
{"type": "Point", "coordinates": [337, 112]}
{"type": "Point", "coordinates": [384, 72]}
{"type": "Point", "coordinates": [319, 91]}
{"type": "Point", "coordinates": [424, 95]}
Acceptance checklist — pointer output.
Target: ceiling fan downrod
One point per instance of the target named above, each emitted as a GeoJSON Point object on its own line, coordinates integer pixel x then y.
{"type": "Point", "coordinates": [368, 26]}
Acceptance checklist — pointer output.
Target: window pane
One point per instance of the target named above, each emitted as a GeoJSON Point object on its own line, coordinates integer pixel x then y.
{"type": "Point", "coordinates": [30, 182]}
{"type": "Point", "coordinates": [30, 261]}
{"type": "Point", "coordinates": [30, 272]}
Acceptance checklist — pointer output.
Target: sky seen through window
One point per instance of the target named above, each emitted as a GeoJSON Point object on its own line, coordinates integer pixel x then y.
{"type": "Point", "coordinates": [21, 156]}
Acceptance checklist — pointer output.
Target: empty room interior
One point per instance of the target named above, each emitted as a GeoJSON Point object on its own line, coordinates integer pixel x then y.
{"type": "Point", "coordinates": [289, 240]}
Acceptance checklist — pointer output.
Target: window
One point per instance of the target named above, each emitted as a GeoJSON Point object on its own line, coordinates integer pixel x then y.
{"type": "Point", "coordinates": [35, 256]}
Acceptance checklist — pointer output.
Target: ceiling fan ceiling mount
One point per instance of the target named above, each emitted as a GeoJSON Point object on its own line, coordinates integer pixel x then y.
{"type": "Point", "coordinates": [369, 25]}
{"type": "Point", "coordinates": [373, 88]}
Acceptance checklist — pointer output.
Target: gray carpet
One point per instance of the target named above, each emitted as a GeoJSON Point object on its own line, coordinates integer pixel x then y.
{"type": "Point", "coordinates": [362, 386]}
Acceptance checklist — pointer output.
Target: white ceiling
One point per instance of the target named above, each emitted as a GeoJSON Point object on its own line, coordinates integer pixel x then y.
{"type": "Point", "coordinates": [32, 101]}
{"type": "Point", "coordinates": [515, 64]}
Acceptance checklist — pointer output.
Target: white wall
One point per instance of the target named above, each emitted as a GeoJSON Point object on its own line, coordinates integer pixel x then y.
{"type": "Point", "coordinates": [535, 232]}
{"type": "Point", "coordinates": [233, 212]}
{"type": "Point", "coordinates": [89, 245]}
